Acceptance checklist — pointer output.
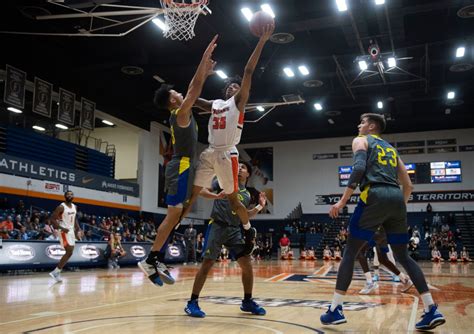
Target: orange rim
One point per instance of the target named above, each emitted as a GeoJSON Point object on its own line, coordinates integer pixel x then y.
{"type": "Point", "coordinates": [178, 4]}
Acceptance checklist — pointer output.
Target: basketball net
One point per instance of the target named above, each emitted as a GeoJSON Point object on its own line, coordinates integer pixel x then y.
{"type": "Point", "coordinates": [181, 17]}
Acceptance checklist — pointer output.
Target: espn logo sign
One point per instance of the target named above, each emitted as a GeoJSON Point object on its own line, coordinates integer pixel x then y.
{"type": "Point", "coordinates": [52, 187]}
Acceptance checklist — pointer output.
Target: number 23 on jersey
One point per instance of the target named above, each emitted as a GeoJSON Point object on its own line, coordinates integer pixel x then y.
{"type": "Point", "coordinates": [387, 155]}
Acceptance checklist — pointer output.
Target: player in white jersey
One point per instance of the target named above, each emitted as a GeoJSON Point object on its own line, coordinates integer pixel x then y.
{"type": "Point", "coordinates": [221, 159]}
{"type": "Point", "coordinates": [64, 220]}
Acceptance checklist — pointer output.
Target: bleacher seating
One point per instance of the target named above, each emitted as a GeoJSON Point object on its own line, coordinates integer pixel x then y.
{"type": "Point", "coordinates": [30, 145]}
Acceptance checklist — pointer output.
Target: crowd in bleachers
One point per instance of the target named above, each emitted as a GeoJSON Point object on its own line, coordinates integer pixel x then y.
{"type": "Point", "coordinates": [21, 223]}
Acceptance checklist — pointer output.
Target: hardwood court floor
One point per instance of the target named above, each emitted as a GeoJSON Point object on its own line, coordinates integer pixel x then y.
{"type": "Point", "coordinates": [293, 293]}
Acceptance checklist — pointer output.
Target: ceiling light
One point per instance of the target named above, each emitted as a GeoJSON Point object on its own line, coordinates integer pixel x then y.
{"type": "Point", "coordinates": [260, 108]}
{"type": "Point", "coordinates": [15, 110]}
{"type": "Point", "coordinates": [380, 104]}
{"type": "Point", "coordinates": [279, 124]}
{"type": "Point", "coordinates": [451, 95]}
{"type": "Point", "coordinates": [289, 72]}
{"type": "Point", "coordinates": [341, 5]}
{"type": "Point", "coordinates": [39, 128]}
{"type": "Point", "coordinates": [221, 74]}
{"type": "Point", "coordinates": [331, 121]}
{"type": "Point", "coordinates": [107, 122]}
{"type": "Point", "coordinates": [60, 126]}
{"type": "Point", "coordinates": [247, 13]}
{"type": "Point", "coordinates": [379, 2]}
{"type": "Point", "coordinates": [460, 51]}
{"type": "Point", "coordinates": [363, 65]}
{"type": "Point", "coordinates": [318, 106]}
{"type": "Point", "coordinates": [160, 24]}
{"type": "Point", "coordinates": [267, 9]}
{"type": "Point", "coordinates": [392, 62]}
{"type": "Point", "coordinates": [303, 70]}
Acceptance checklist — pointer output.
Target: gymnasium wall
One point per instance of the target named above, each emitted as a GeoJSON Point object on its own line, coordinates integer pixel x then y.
{"type": "Point", "coordinates": [299, 178]}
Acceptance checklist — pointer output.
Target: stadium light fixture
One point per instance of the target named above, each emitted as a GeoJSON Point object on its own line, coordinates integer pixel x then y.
{"type": "Point", "coordinates": [451, 95]}
{"type": "Point", "coordinates": [268, 9]}
{"type": "Point", "coordinates": [318, 106]}
{"type": "Point", "coordinates": [460, 52]}
{"type": "Point", "coordinates": [107, 122]}
{"type": "Point", "coordinates": [363, 65]}
{"type": "Point", "coordinates": [341, 5]}
{"type": "Point", "coordinates": [221, 74]}
{"type": "Point", "coordinates": [303, 70]}
{"type": "Point", "coordinates": [15, 110]}
{"type": "Point", "coordinates": [160, 24]}
{"type": "Point", "coordinates": [289, 72]}
{"type": "Point", "coordinates": [38, 128]}
{"type": "Point", "coordinates": [62, 127]}
{"type": "Point", "coordinates": [247, 13]}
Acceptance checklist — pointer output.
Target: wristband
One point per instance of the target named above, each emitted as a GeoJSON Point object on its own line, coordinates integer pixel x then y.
{"type": "Point", "coordinates": [259, 207]}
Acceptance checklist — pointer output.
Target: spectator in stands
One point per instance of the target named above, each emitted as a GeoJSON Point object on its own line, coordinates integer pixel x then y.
{"type": "Point", "coordinates": [327, 254]}
{"type": "Point", "coordinates": [284, 244]}
{"type": "Point", "coordinates": [116, 250]}
{"type": "Point", "coordinates": [190, 235]}
{"type": "Point", "coordinates": [429, 208]}
{"type": "Point", "coordinates": [416, 232]}
{"type": "Point", "coordinates": [267, 250]}
{"type": "Point", "coordinates": [426, 225]}
{"type": "Point", "coordinates": [465, 255]}
{"type": "Point", "coordinates": [445, 227]}
{"type": "Point", "coordinates": [413, 249]}
{"type": "Point", "coordinates": [436, 255]}
{"type": "Point", "coordinates": [6, 227]}
{"type": "Point", "coordinates": [453, 255]}
{"type": "Point", "coordinates": [319, 228]}
{"type": "Point", "coordinates": [23, 235]}
{"type": "Point", "coordinates": [4, 203]}
{"type": "Point", "coordinates": [199, 246]}
{"type": "Point", "coordinates": [436, 222]}
{"type": "Point", "coordinates": [312, 228]}
{"type": "Point", "coordinates": [310, 254]}
{"type": "Point", "coordinates": [337, 254]}
{"type": "Point", "coordinates": [47, 230]}
{"type": "Point", "coordinates": [88, 236]}
{"type": "Point", "coordinates": [451, 219]}
{"type": "Point", "coordinates": [224, 256]}
{"type": "Point", "coordinates": [80, 236]}
{"type": "Point", "coordinates": [457, 235]}
{"type": "Point", "coordinates": [53, 236]}
{"type": "Point", "coordinates": [20, 208]}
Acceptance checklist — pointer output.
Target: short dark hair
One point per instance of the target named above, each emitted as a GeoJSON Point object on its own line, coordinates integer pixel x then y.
{"type": "Point", "coordinates": [378, 119]}
{"type": "Point", "coordinates": [162, 96]}
{"type": "Point", "coordinates": [249, 167]}
{"type": "Point", "coordinates": [229, 81]}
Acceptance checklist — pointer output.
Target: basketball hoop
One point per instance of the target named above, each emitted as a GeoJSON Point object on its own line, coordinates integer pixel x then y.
{"type": "Point", "coordinates": [181, 17]}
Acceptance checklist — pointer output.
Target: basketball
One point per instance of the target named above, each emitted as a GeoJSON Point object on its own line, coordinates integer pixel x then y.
{"type": "Point", "coordinates": [259, 21]}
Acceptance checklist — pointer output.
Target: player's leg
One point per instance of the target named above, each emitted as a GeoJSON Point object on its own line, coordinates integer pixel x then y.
{"type": "Point", "coordinates": [362, 226]}
{"type": "Point", "coordinates": [211, 252]}
{"type": "Point", "coordinates": [67, 240]}
{"type": "Point", "coordinates": [370, 285]}
{"type": "Point", "coordinates": [397, 237]}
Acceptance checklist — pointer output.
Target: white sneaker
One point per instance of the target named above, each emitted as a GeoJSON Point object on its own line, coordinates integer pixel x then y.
{"type": "Point", "coordinates": [56, 276]}
{"type": "Point", "coordinates": [368, 288]}
{"type": "Point", "coordinates": [406, 285]}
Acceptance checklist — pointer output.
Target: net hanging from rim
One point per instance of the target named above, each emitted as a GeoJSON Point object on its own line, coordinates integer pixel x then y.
{"type": "Point", "coordinates": [181, 17]}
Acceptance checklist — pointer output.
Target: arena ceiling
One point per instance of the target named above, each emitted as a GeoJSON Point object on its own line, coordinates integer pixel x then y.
{"type": "Point", "coordinates": [422, 35]}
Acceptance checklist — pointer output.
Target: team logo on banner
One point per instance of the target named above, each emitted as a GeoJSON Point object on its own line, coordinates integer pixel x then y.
{"type": "Point", "coordinates": [174, 251]}
{"type": "Point", "coordinates": [55, 252]}
{"type": "Point", "coordinates": [89, 252]}
{"type": "Point", "coordinates": [14, 92]}
{"type": "Point", "coordinates": [87, 114]}
{"type": "Point", "coordinates": [66, 110]}
{"type": "Point", "coordinates": [138, 251]}
{"type": "Point", "coordinates": [21, 252]}
{"type": "Point", "coordinates": [42, 97]}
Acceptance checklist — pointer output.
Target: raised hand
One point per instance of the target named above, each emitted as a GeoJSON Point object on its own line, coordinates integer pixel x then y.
{"type": "Point", "coordinates": [210, 48]}
{"type": "Point", "coordinates": [267, 32]}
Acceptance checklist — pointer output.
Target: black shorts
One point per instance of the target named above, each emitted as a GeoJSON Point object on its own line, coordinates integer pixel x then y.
{"type": "Point", "coordinates": [220, 233]}
{"type": "Point", "coordinates": [179, 179]}
{"type": "Point", "coordinates": [380, 205]}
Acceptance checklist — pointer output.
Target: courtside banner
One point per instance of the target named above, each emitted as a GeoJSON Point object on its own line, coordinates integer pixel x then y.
{"type": "Point", "coordinates": [46, 254]}
{"type": "Point", "coordinates": [416, 197]}
{"type": "Point", "coordinates": [41, 171]}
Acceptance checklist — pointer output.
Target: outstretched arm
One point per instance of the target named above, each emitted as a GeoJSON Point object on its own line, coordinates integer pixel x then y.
{"type": "Point", "coordinates": [203, 104]}
{"type": "Point", "coordinates": [205, 68]}
{"type": "Point", "coordinates": [242, 96]}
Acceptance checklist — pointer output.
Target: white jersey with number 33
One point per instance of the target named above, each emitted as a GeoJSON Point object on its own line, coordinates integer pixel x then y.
{"type": "Point", "coordinates": [225, 124]}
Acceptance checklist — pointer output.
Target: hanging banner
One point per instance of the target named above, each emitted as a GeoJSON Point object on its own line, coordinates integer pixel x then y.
{"type": "Point", "coordinates": [66, 110]}
{"type": "Point", "coordinates": [42, 97]}
{"type": "Point", "coordinates": [14, 92]}
{"type": "Point", "coordinates": [87, 114]}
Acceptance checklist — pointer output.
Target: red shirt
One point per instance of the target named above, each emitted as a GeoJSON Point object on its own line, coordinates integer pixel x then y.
{"type": "Point", "coordinates": [284, 241]}
{"type": "Point", "coordinates": [7, 224]}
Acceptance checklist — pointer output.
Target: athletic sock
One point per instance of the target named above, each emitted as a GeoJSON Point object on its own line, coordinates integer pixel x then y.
{"type": "Point", "coordinates": [377, 272]}
{"type": "Point", "coordinates": [368, 277]}
{"type": "Point", "coordinates": [247, 296]}
{"type": "Point", "coordinates": [336, 301]}
{"type": "Point", "coordinates": [57, 270]}
{"type": "Point", "coordinates": [247, 226]}
{"type": "Point", "coordinates": [194, 297]}
{"type": "Point", "coordinates": [427, 301]}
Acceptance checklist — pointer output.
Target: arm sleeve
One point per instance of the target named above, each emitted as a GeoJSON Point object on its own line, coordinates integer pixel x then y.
{"type": "Point", "coordinates": [358, 169]}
